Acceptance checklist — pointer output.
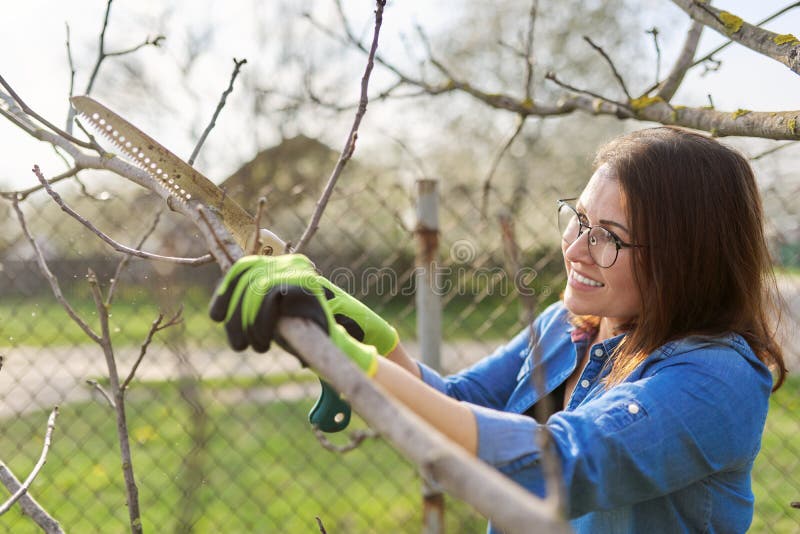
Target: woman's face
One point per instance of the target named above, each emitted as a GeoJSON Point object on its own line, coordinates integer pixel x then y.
{"type": "Point", "coordinates": [609, 293]}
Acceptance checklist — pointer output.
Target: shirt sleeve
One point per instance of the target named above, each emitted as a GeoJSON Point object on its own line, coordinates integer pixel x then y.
{"type": "Point", "coordinates": [491, 381]}
{"type": "Point", "coordinates": [692, 417]}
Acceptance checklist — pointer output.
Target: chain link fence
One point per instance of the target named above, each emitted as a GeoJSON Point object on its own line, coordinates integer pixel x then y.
{"type": "Point", "coordinates": [220, 440]}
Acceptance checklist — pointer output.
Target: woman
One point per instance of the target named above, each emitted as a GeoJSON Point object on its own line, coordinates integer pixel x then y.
{"type": "Point", "coordinates": [660, 357]}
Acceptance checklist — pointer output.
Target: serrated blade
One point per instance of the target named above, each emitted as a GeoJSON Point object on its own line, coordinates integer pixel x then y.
{"type": "Point", "coordinates": [180, 181]}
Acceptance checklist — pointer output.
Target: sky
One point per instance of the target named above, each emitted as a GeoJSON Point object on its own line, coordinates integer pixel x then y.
{"type": "Point", "coordinates": [33, 60]}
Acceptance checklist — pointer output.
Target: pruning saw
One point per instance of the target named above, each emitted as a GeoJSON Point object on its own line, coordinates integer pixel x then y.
{"type": "Point", "coordinates": [180, 182]}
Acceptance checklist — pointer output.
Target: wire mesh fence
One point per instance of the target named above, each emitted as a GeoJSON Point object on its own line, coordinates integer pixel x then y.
{"type": "Point", "coordinates": [220, 440]}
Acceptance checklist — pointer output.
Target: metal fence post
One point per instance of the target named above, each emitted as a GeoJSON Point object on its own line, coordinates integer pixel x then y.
{"type": "Point", "coordinates": [429, 322]}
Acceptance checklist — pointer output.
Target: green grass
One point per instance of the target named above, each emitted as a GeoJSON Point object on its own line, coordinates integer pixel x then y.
{"type": "Point", "coordinates": [264, 471]}
{"type": "Point", "coordinates": [42, 322]}
{"type": "Point", "coordinates": [776, 475]}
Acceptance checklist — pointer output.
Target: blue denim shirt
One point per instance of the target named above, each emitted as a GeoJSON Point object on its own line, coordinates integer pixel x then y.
{"type": "Point", "coordinates": [668, 450]}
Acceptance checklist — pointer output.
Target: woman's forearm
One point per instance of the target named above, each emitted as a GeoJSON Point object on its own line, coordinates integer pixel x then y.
{"type": "Point", "coordinates": [401, 358]}
{"type": "Point", "coordinates": [451, 417]}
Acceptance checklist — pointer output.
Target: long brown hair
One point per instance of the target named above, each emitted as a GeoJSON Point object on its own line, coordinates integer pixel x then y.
{"type": "Point", "coordinates": [705, 268]}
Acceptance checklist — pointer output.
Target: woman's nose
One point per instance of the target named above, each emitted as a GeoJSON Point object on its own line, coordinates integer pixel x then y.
{"type": "Point", "coordinates": [578, 251]}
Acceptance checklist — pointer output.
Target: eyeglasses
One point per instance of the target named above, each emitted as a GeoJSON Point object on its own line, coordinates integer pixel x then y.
{"type": "Point", "coordinates": [603, 244]}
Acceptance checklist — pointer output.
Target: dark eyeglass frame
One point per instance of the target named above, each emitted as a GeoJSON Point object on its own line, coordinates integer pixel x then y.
{"type": "Point", "coordinates": [618, 242]}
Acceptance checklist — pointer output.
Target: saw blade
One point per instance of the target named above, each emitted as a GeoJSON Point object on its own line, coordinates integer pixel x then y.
{"type": "Point", "coordinates": [180, 182]}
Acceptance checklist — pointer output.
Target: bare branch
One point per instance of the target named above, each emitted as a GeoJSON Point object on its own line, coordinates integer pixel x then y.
{"type": "Point", "coordinates": [510, 507]}
{"type": "Point", "coordinates": [118, 394]}
{"type": "Point", "coordinates": [350, 144]}
{"type": "Point", "coordinates": [496, 163]}
{"type": "Point", "coordinates": [529, 62]}
{"type": "Point", "coordinates": [201, 260]}
{"type": "Point", "coordinates": [23, 194]}
{"type": "Point", "coordinates": [710, 55]}
{"type": "Point", "coordinates": [51, 279]}
{"type": "Point", "coordinates": [614, 70]}
{"type": "Point", "coordinates": [126, 259]}
{"type": "Point", "coordinates": [155, 327]}
{"type": "Point", "coordinates": [237, 65]}
{"type": "Point", "coordinates": [29, 505]}
{"type": "Point", "coordinates": [262, 201]}
{"type": "Point", "coordinates": [356, 438]}
{"type": "Point", "coordinates": [30, 112]}
{"type": "Point", "coordinates": [96, 385]}
{"type": "Point", "coordinates": [772, 150]}
{"type": "Point", "coordinates": [553, 78]}
{"type": "Point", "coordinates": [782, 48]}
{"type": "Point", "coordinates": [23, 489]}
{"type": "Point", "coordinates": [669, 86]}
{"type": "Point", "coordinates": [71, 112]}
{"type": "Point", "coordinates": [654, 32]}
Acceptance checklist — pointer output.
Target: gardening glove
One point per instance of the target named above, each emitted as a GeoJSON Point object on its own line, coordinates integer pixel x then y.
{"type": "Point", "coordinates": [258, 290]}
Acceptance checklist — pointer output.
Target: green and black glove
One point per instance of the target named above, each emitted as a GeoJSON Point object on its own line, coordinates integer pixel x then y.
{"type": "Point", "coordinates": [258, 290]}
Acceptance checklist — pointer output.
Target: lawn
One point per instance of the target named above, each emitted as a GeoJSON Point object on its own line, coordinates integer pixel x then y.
{"type": "Point", "coordinates": [262, 470]}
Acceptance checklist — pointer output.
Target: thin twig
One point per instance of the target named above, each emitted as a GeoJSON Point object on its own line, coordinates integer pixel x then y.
{"type": "Point", "coordinates": [321, 526]}
{"type": "Point", "coordinates": [156, 326]}
{"type": "Point", "coordinates": [220, 246]}
{"type": "Point", "coordinates": [529, 62]}
{"type": "Point", "coordinates": [200, 260]}
{"type": "Point", "coordinates": [96, 385]}
{"type": "Point", "coordinates": [237, 65]}
{"type": "Point", "coordinates": [126, 259]}
{"type": "Point", "coordinates": [487, 182]}
{"type": "Point", "coordinates": [350, 144]}
{"type": "Point", "coordinates": [553, 78]}
{"type": "Point", "coordinates": [71, 111]}
{"type": "Point", "coordinates": [256, 249]}
{"type": "Point", "coordinates": [51, 279]}
{"type": "Point", "coordinates": [30, 112]}
{"type": "Point", "coordinates": [356, 438]}
{"type": "Point", "coordinates": [654, 32]}
{"type": "Point", "coordinates": [617, 75]}
{"type": "Point", "coordinates": [23, 489]}
{"type": "Point", "coordinates": [22, 195]}
{"type": "Point", "coordinates": [773, 150]}
{"type": "Point", "coordinates": [543, 408]}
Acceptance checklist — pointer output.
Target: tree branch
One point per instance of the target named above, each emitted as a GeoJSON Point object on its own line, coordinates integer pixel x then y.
{"type": "Point", "coordinates": [782, 48]}
{"type": "Point", "coordinates": [667, 88]}
{"type": "Point", "coordinates": [154, 328]}
{"type": "Point", "coordinates": [23, 489]}
{"type": "Point", "coordinates": [610, 63]}
{"type": "Point", "coordinates": [237, 65]}
{"type": "Point", "coordinates": [350, 144]}
{"type": "Point", "coordinates": [710, 55]}
{"type": "Point", "coordinates": [51, 279]}
{"type": "Point", "coordinates": [201, 260]}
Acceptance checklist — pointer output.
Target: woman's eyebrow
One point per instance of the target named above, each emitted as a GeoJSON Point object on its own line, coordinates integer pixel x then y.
{"type": "Point", "coordinates": [605, 222]}
{"type": "Point", "coordinates": [612, 223]}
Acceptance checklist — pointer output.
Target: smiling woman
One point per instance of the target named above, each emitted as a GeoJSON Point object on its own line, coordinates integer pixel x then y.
{"type": "Point", "coordinates": [658, 361]}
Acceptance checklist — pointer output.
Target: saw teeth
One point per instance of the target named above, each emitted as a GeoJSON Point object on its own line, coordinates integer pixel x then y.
{"type": "Point", "coordinates": [172, 189]}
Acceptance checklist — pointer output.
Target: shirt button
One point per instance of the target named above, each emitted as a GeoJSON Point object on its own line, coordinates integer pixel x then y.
{"type": "Point", "coordinates": [633, 408]}
{"type": "Point", "coordinates": [584, 383]}
{"type": "Point", "coordinates": [598, 352]}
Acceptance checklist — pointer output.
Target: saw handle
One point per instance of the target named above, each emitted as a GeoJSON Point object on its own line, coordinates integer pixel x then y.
{"type": "Point", "coordinates": [330, 413]}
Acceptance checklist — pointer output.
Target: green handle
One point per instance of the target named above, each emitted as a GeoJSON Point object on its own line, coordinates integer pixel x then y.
{"type": "Point", "coordinates": [330, 413]}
